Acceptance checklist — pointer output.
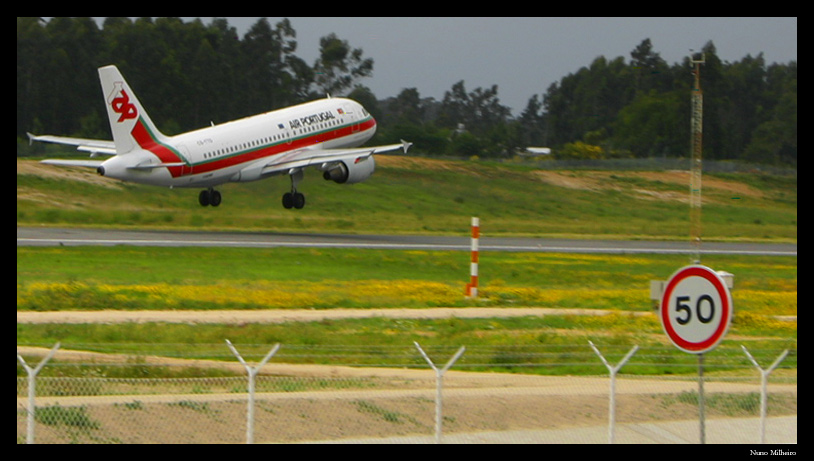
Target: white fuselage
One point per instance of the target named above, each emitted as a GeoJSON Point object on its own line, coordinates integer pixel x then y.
{"type": "Point", "coordinates": [238, 150]}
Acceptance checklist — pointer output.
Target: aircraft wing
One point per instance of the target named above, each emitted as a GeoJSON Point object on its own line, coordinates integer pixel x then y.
{"type": "Point", "coordinates": [98, 163]}
{"type": "Point", "coordinates": [93, 146]}
{"type": "Point", "coordinates": [308, 157]}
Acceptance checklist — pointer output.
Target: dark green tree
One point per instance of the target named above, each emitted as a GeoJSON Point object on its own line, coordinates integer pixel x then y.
{"type": "Point", "coordinates": [267, 62]}
{"type": "Point", "coordinates": [191, 74]}
{"type": "Point", "coordinates": [476, 111]}
{"type": "Point", "coordinates": [406, 108]}
{"type": "Point", "coordinates": [339, 66]}
{"type": "Point", "coordinates": [532, 125]}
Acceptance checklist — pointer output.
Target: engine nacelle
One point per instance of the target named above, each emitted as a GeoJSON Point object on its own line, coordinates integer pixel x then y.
{"type": "Point", "coordinates": [351, 173]}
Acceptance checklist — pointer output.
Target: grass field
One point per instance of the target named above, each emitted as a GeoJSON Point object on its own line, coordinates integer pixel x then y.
{"type": "Point", "coordinates": [416, 195]}
{"type": "Point", "coordinates": [405, 196]}
{"type": "Point", "coordinates": [285, 278]}
{"type": "Point", "coordinates": [291, 278]}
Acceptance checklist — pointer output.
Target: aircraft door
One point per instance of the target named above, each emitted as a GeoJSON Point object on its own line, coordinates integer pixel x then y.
{"type": "Point", "coordinates": [352, 117]}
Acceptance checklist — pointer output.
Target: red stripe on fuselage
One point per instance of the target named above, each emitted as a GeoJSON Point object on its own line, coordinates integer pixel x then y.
{"type": "Point", "coordinates": [147, 141]}
{"type": "Point", "coordinates": [281, 147]}
{"type": "Point", "coordinates": [166, 154]}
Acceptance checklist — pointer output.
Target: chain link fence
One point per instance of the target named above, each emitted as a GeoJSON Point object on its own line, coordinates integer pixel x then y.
{"type": "Point", "coordinates": [313, 394]}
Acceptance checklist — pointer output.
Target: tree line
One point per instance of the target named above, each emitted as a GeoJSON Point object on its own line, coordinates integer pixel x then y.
{"type": "Point", "coordinates": [199, 74]}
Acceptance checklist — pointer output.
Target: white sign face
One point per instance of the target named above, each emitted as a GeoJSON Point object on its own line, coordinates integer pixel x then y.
{"type": "Point", "coordinates": [696, 309]}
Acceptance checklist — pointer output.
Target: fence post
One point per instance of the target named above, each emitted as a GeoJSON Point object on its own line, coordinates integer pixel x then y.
{"type": "Point", "coordinates": [613, 370]}
{"type": "Point", "coordinates": [252, 371]}
{"type": "Point", "coordinates": [439, 378]}
{"type": "Point", "coordinates": [32, 382]}
{"type": "Point", "coordinates": [764, 378]}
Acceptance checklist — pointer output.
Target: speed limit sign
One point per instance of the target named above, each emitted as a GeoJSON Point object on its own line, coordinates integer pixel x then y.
{"type": "Point", "coordinates": [696, 309]}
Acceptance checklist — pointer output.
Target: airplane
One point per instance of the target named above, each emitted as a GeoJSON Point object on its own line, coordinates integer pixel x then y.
{"type": "Point", "coordinates": [324, 134]}
{"type": "Point", "coordinates": [534, 151]}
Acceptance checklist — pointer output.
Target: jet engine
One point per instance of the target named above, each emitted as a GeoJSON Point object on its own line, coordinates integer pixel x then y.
{"type": "Point", "coordinates": [346, 172]}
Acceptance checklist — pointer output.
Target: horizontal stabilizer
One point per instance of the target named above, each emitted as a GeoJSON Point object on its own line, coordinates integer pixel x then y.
{"type": "Point", "coordinates": [82, 144]}
{"type": "Point", "coordinates": [83, 163]}
{"type": "Point", "coordinates": [152, 166]}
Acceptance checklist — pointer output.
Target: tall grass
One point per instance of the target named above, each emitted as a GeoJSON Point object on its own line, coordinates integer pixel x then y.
{"type": "Point", "coordinates": [433, 196]}
{"type": "Point", "coordinates": [289, 278]}
{"type": "Point", "coordinates": [543, 345]}
{"type": "Point", "coordinates": [282, 278]}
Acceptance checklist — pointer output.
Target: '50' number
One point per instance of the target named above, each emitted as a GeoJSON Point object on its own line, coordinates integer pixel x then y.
{"type": "Point", "coordinates": [704, 309]}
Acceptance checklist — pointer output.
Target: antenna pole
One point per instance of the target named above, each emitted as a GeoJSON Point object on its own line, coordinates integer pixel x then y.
{"type": "Point", "coordinates": [696, 124]}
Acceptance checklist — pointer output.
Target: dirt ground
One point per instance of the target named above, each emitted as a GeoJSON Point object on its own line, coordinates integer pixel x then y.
{"type": "Point", "coordinates": [397, 401]}
{"type": "Point", "coordinates": [289, 315]}
{"type": "Point", "coordinates": [401, 404]}
{"type": "Point", "coordinates": [307, 418]}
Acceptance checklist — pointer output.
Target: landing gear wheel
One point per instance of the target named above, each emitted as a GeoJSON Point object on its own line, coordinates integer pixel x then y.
{"type": "Point", "coordinates": [288, 200]}
{"type": "Point", "coordinates": [214, 198]}
{"type": "Point", "coordinates": [204, 197]}
{"type": "Point", "coordinates": [209, 197]}
{"type": "Point", "coordinates": [299, 201]}
{"type": "Point", "coordinates": [293, 200]}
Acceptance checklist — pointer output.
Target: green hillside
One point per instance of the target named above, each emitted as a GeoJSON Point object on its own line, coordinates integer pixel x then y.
{"type": "Point", "coordinates": [417, 195]}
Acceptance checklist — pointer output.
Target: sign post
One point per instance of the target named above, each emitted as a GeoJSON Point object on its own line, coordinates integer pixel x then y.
{"type": "Point", "coordinates": [472, 286]}
{"type": "Point", "coordinates": [695, 313]}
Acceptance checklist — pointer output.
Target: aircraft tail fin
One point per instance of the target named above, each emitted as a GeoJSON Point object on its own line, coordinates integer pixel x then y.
{"type": "Point", "coordinates": [131, 126]}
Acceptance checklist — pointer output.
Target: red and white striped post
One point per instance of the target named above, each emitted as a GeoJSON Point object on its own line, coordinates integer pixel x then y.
{"type": "Point", "coordinates": [472, 286]}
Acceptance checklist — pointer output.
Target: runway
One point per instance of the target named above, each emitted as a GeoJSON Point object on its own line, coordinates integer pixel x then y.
{"type": "Point", "coordinates": [47, 236]}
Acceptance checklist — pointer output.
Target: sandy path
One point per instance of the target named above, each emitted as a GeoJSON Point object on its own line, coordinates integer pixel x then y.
{"type": "Point", "coordinates": [293, 315]}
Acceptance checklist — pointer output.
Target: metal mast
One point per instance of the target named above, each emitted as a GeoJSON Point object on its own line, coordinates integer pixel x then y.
{"type": "Point", "coordinates": [696, 125]}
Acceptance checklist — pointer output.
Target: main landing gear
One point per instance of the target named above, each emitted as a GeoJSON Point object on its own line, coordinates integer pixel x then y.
{"type": "Point", "coordinates": [291, 199]}
{"type": "Point", "coordinates": [294, 199]}
{"type": "Point", "coordinates": [209, 197]}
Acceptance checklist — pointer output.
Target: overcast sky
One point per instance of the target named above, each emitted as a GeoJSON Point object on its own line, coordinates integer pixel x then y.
{"type": "Point", "coordinates": [524, 56]}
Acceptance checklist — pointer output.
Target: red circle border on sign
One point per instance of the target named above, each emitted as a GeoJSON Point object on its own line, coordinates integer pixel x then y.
{"type": "Point", "coordinates": [726, 301]}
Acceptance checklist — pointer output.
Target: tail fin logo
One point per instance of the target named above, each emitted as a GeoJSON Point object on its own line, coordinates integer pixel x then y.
{"type": "Point", "coordinates": [120, 103]}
